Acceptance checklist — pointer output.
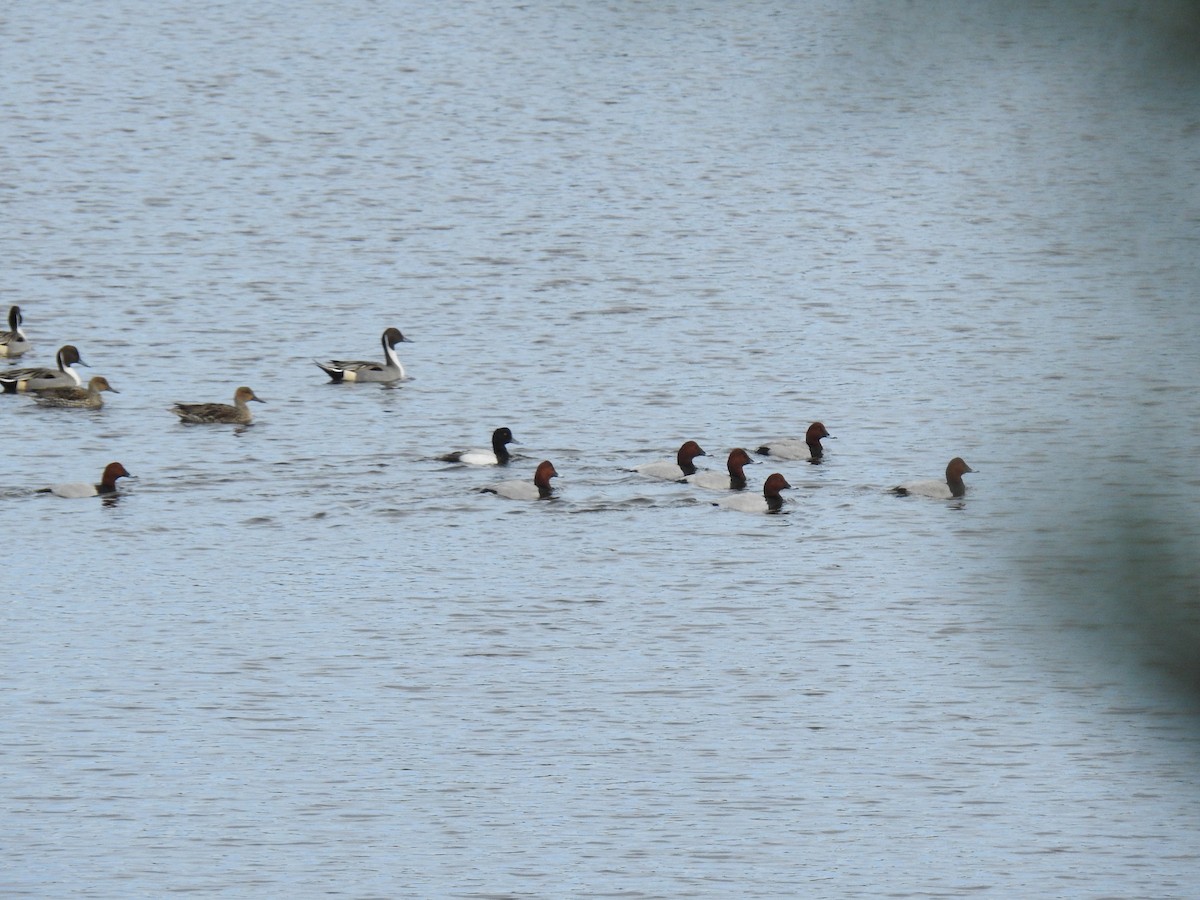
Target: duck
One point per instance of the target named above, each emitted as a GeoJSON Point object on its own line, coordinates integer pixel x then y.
{"type": "Point", "coordinates": [75, 489]}
{"type": "Point", "coordinates": [768, 502]}
{"type": "Point", "coordinates": [19, 380]}
{"type": "Point", "coordinates": [952, 487]}
{"type": "Point", "coordinates": [673, 471]}
{"type": "Point", "coordinates": [734, 481]}
{"type": "Point", "coordinates": [340, 370]}
{"type": "Point", "coordinates": [793, 448]}
{"type": "Point", "coordinates": [538, 489]}
{"type": "Point", "coordinates": [497, 456]}
{"type": "Point", "coordinates": [13, 342]}
{"type": "Point", "coordinates": [77, 397]}
{"type": "Point", "coordinates": [219, 413]}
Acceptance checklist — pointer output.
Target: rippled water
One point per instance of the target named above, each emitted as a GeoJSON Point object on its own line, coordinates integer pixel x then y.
{"type": "Point", "coordinates": [306, 657]}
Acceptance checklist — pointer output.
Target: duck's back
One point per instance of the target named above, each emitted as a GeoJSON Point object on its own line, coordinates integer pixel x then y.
{"type": "Point", "coordinates": [664, 469]}
{"type": "Point", "coordinates": [785, 448]}
{"type": "Point", "coordinates": [515, 490]}
{"type": "Point", "coordinates": [744, 503]}
{"type": "Point", "coordinates": [925, 487]}
{"type": "Point", "coordinates": [713, 481]}
{"type": "Point", "coordinates": [74, 490]}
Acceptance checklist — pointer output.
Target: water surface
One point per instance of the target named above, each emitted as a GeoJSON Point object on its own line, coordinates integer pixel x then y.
{"type": "Point", "coordinates": [307, 657]}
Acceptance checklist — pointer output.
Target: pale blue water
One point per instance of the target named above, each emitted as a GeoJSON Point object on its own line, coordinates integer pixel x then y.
{"type": "Point", "coordinates": [308, 658]}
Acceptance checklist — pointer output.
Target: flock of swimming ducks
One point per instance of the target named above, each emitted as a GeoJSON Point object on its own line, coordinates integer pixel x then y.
{"type": "Point", "coordinates": [63, 387]}
{"type": "Point", "coordinates": [683, 469]}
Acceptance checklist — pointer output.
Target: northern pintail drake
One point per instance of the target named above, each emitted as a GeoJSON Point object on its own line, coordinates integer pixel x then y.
{"type": "Point", "coordinates": [75, 489]}
{"type": "Point", "coordinates": [13, 342]}
{"type": "Point", "coordinates": [497, 456]}
{"type": "Point", "coordinates": [952, 487]}
{"type": "Point", "coordinates": [673, 471]}
{"type": "Point", "coordinates": [734, 481]}
{"type": "Point", "coordinates": [356, 370]}
{"type": "Point", "coordinates": [768, 501]}
{"type": "Point", "coordinates": [794, 448]}
{"type": "Point", "coordinates": [538, 489]}
{"type": "Point", "coordinates": [19, 380]}
{"type": "Point", "coordinates": [219, 413]}
{"type": "Point", "coordinates": [77, 397]}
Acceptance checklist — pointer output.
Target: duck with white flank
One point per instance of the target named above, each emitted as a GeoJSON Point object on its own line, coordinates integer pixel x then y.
{"type": "Point", "coordinates": [75, 489]}
{"type": "Point", "coordinates": [716, 481]}
{"type": "Point", "coordinates": [768, 501]}
{"type": "Point", "coordinates": [497, 456]}
{"type": "Point", "coordinates": [538, 489]}
{"type": "Point", "coordinates": [792, 448]}
{"type": "Point", "coordinates": [673, 471]}
{"type": "Point", "coordinates": [952, 487]}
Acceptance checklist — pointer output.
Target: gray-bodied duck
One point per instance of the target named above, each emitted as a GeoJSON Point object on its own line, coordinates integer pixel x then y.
{"type": "Point", "coordinates": [356, 370]}
{"type": "Point", "coordinates": [673, 471]}
{"type": "Point", "coordinates": [716, 481]}
{"type": "Point", "coordinates": [952, 487]}
{"type": "Point", "coordinates": [13, 342]}
{"type": "Point", "coordinates": [76, 489]}
{"type": "Point", "coordinates": [769, 501]}
{"type": "Point", "coordinates": [792, 448]}
{"type": "Point", "coordinates": [538, 489]}
{"type": "Point", "coordinates": [16, 381]}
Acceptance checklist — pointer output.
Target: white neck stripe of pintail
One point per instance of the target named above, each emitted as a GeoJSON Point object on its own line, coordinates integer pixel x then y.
{"type": "Point", "coordinates": [392, 359]}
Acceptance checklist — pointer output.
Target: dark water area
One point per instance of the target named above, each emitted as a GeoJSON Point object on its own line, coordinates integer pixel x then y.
{"type": "Point", "coordinates": [307, 656]}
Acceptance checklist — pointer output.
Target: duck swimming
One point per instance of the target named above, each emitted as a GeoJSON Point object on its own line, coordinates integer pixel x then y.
{"type": "Point", "coordinates": [13, 342]}
{"type": "Point", "coordinates": [734, 481]}
{"type": "Point", "coordinates": [673, 471]}
{"type": "Point", "coordinates": [497, 456]}
{"type": "Point", "coordinates": [16, 381]}
{"type": "Point", "coordinates": [356, 370]}
{"type": "Point", "coordinates": [219, 413]}
{"type": "Point", "coordinates": [952, 487]}
{"type": "Point", "coordinates": [769, 501]}
{"type": "Point", "coordinates": [76, 397]}
{"type": "Point", "coordinates": [76, 489]}
{"type": "Point", "coordinates": [793, 448]}
{"type": "Point", "coordinates": [538, 489]}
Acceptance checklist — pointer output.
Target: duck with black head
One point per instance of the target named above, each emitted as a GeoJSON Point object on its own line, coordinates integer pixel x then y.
{"type": "Point", "coordinates": [497, 456]}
